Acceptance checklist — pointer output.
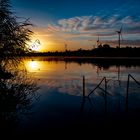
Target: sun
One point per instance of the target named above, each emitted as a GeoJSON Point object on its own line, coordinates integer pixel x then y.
{"type": "Point", "coordinates": [35, 46]}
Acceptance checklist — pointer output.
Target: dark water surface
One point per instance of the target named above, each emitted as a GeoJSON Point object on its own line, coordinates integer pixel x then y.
{"type": "Point", "coordinates": [40, 96]}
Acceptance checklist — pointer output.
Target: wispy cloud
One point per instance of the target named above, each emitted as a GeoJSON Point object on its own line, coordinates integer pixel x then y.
{"type": "Point", "coordinates": [90, 27]}
{"type": "Point", "coordinates": [95, 24]}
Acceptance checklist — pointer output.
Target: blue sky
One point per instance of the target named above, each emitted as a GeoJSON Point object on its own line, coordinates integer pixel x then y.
{"type": "Point", "coordinates": [79, 22]}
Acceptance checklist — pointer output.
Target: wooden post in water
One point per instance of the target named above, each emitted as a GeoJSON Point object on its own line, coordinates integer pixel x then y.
{"type": "Point", "coordinates": [83, 97]}
{"type": "Point", "coordinates": [105, 95]}
{"type": "Point", "coordinates": [127, 90]}
{"type": "Point", "coordinates": [83, 86]}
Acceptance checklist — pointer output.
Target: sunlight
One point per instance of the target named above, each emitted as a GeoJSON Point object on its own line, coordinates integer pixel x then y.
{"type": "Point", "coordinates": [32, 65]}
{"type": "Point", "coordinates": [35, 45]}
{"type": "Point", "coordinates": [41, 44]}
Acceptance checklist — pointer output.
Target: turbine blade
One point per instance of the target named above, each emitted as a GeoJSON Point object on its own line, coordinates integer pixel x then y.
{"type": "Point", "coordinates": [121, 28]}
{"type": "Point", "coordinates": [121, 37]}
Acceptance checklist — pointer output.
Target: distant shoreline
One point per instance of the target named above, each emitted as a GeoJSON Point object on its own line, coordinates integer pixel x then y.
{"type": "Point", "coordinates": [104, 62]}
{"type": "Point", "coordinates": [75, 57]}
{"type": "Point", "coordinates": [97, 53]}
{"type": "Point", "coordinates": [84, 57]}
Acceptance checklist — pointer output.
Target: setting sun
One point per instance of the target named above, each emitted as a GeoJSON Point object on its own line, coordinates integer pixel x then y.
{"type": "Point", "coordinates": [40, 43]}
{"type": "Point", "coordinates": [35, 45]}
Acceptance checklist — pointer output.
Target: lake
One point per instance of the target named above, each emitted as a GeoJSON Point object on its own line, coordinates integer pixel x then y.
{"type": "Point", "coordinates": [41, 95]}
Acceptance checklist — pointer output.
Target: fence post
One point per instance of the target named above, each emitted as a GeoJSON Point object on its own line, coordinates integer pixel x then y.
{"type": "Point", "coordinates": [126, 105]}
{"type": "Point", "coordinates": [83, 97]}
{"type": "Point", "coordinates": [105, 96]}
{"type": "Point", "coordinates": [83, 86]}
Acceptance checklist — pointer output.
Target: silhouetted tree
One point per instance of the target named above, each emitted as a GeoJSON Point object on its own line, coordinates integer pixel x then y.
{"type": "Point", "coordinates": [106, 46]}
{"type": "Point", "coordinates": [100, 46]}
{"type": "Point", "coordinates": [14, 34]}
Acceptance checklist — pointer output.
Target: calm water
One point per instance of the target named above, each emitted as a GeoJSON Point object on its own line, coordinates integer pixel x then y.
{"type": "Point", "coordinates": [43, 94]}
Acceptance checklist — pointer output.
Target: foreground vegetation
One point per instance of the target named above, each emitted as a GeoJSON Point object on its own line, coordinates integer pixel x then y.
{"type": "Point", "coordinates": [14, 32]}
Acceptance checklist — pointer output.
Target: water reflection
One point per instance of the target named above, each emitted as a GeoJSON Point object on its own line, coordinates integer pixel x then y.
{"type": "Point", "coordinates": [64, 103]}
{"type": "Point", "coordinates": [17, 91]}
{"type": "Point", "coordinates": [124, 106]}
{"type": "Point", "coordinates": [65, 75]}
{"type": "Point", "coordinates": [33, 65]}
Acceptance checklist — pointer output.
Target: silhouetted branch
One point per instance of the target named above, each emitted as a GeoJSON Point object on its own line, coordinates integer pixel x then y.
{"type": "Point", "coordinates": [14, 35]}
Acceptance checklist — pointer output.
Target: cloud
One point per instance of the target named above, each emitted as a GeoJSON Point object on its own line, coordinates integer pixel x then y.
{"type": "Point", "coordinates": [94, 24]}
{"type": "Point", "coordinates": [90, 27]}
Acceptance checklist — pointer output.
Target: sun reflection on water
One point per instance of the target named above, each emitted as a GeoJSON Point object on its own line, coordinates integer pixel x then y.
{"type": "Point", "coordinates": [33, 65]}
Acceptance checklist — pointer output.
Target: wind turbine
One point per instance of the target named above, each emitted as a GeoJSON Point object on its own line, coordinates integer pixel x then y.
{"type": "Point", "coordinates": [65, 46]}
{"type": "Point", "coordinates": [98, 42]}
{"type": "Point", "coordinates": [120, 36]}
{"type": "Point", "coordinates": [119, 41]}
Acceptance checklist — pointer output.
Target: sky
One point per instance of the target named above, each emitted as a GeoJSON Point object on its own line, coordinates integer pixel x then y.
{"type": "Point", "coordinates": [79, 24]}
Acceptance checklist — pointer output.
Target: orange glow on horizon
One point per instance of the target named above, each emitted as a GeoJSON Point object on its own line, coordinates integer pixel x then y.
{"type": "Point", "coordinates": [54, 43]}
